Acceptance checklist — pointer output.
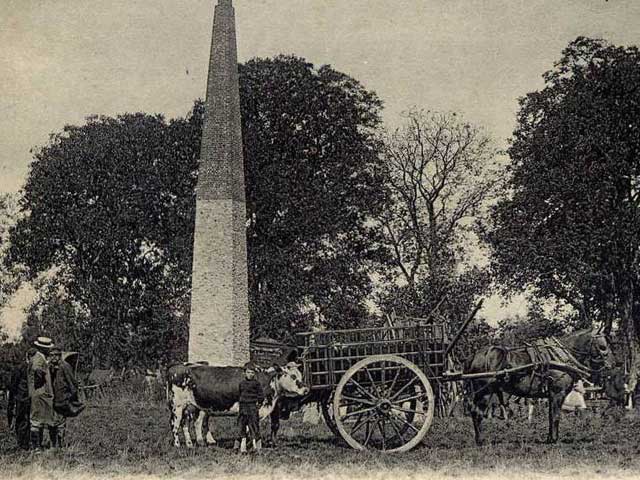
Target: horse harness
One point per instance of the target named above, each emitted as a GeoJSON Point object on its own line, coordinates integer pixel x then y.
{"type": "Point", "coordinates": [544, 356]}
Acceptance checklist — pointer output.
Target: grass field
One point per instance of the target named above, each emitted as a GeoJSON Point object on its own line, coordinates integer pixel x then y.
{"type": "Point", "coordinates": [128, 435]}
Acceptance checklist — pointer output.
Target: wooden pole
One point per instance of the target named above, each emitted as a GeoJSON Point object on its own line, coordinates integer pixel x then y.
{"type": "Point", "coordinates": [463, 328]}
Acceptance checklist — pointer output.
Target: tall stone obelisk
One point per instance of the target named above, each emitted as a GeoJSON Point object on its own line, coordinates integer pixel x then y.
{"type": "Point", "coordinates": [219, 323]}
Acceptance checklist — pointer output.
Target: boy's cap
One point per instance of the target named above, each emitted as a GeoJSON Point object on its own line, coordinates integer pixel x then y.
{"type": "Point", "coordinates": [249, 366]}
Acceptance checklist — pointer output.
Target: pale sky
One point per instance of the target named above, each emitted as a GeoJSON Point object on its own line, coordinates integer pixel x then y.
{"type": "Point", "coordinates": [62, 60]}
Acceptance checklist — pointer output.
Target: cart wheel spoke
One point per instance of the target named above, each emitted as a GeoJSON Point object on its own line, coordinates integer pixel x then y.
{"type": "Point", "coordinates": [358, 412]}
{"type": "Point", "coordinates": [395, 379]}
{"type": "Point", "coordinates": [408, 410]}
{"type": "Point", "coordinates": [382, 433]}
{"type": "Point", "coordinates": [356, 401]}
{"type": "Point", "coordinates": [360, 422]}
{"type": "Point", "coordinates": [407, 385]}
{"type": "Point", "coordinates": [368, 437]}
{"type": "Point", "coordinates": [408, 424]}
{"type": "Point", "coordinates": [373, 383]}
{"type": "Point", "coordinates": [399, 433]}
{"type": "Point", "coordinates": [363, 390]}
{"type": "Point", "coordinates": [419, 396]}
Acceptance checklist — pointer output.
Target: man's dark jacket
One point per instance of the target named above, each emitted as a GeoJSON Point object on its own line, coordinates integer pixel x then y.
{"type": "Point", "coordinates": [19, 403]}
{"type": "Point", "coordinates": [65, 391]}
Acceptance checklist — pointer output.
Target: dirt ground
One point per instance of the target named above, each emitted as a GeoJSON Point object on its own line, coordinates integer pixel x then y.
{"type": "Point", "coordinates": [129, 436]}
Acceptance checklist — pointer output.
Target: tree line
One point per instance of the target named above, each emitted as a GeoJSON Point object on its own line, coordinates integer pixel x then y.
{"type": "Point", "coordinates": [347, 220]}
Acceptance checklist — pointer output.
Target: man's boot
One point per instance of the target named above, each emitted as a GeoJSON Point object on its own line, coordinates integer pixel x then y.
{"type": "Point", "coordinates": [54, 435]}
{"type": "Point", "coordinates": [36, 440]}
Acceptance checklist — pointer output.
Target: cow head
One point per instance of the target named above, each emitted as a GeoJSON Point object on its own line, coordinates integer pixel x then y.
{"type": "Point", "coordinates": [288, 380]}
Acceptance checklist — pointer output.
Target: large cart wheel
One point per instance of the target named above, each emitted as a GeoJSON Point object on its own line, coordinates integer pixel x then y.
{"type": "Point", "coordinates": [383, 402]}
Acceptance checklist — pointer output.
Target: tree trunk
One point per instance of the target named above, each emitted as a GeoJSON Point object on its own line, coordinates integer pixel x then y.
{"type": "Point", "coordinates": [631, 333]}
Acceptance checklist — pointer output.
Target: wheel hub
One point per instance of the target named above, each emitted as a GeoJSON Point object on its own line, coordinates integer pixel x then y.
{"type": "Point", "coordinates": [384, 406]}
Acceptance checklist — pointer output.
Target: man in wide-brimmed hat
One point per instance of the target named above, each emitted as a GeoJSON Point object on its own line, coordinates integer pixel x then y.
{"type": "Point", "coordinates": [40, 391]}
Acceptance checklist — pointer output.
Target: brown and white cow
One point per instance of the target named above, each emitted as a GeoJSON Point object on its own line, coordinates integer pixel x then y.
{"type": "Point", "coordinates": [202, 389]}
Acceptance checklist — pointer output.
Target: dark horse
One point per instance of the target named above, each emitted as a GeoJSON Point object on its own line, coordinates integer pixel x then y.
{"type": "Point", "coordinates": [550, 380]}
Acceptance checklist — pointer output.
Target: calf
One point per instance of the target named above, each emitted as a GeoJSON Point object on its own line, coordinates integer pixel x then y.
{"type": "Point", "coordinates": [202, 390]}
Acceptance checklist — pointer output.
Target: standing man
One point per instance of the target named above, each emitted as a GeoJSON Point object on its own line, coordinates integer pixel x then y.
{"type": "Point", "coordinates": [251, 397]}
{"type": "Point", "coordinates": [66, 401]}
{"type": "Point", "coordinates": [65, 396]}
{"type": "Point", "coordinates": [19, 403]}
{"type": "Point", "coordinates": [40, 391]}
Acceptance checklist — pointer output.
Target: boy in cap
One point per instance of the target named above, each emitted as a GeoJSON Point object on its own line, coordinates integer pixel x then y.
{"type": "Point", "coordinates": [251, 397]}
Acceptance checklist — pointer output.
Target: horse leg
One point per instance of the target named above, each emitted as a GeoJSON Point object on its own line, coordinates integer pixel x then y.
{"type": "Point", "coordinates": [551, 419]}
{"type": "Point", "coordinates": [557, 407]}
{"type": "Point", "coordinates": [555, 402]}
{"type": "Point", "coordinates": [478, 407]}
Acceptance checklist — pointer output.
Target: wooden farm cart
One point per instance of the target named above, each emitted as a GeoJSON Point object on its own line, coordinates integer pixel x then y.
{"type": "Point", "coordinates": [374, 385]}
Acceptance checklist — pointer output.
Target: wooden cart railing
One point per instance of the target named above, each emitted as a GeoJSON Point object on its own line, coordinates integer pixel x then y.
{"type": "Point", "coordinates": [328, 355]}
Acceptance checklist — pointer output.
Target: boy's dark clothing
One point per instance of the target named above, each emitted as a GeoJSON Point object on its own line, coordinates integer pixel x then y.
{"type": "Point", "coordinates": [251, 391]}
{"type": "Point", "coordinates": [251, 395]}
{"type": "Point", "coordinates": [19, 404]}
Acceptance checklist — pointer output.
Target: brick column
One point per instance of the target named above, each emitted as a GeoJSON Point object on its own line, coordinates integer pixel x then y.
{"type": "Point", "coordinates": [219, 323]}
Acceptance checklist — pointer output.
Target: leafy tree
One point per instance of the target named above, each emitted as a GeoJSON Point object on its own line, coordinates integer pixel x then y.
{"type": "Point", "coordinates": [10, 277]}
{"type": "Point", "coordinates": [535, 325]}
{"type": "Point", "coordinates": [109, 206]}
{"type": "Point", "coordinates": [439, 172]}
{"type": "Point", "coordinates": [311, 158]}
{"type": "Point", "coordinates": [568, 225]}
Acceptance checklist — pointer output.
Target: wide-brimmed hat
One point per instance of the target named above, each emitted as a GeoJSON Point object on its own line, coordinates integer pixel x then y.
{"type": "Point", "coordinates": [43, 342]}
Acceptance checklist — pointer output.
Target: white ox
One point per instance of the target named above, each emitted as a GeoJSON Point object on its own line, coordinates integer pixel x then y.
{"type": "Point", "coordinates": [201, 389]}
